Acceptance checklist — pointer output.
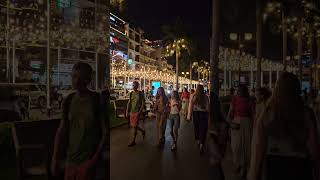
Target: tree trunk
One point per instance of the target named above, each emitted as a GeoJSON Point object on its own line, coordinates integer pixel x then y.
{"type": "Point", "coordinates": [259, 41]}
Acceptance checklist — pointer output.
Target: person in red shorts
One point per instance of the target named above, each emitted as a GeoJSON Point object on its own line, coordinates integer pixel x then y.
{"type": "Point", "coordinates": [135, 108]}
{"type": "Point", "coordinates": [82, 131]}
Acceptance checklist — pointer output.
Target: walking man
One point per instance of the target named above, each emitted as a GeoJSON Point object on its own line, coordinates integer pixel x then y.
{"type": "Point", "coordinates": [135, 109]}
{"type": "Point", "coordinates": [82, 131]}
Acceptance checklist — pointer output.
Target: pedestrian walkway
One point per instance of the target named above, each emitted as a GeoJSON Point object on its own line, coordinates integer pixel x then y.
{"type": "Point", "coordinates": [146, 161]}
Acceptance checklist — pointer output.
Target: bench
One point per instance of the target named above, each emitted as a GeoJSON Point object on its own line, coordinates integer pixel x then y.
{"type": "Point", "coordinates": [33, 141]}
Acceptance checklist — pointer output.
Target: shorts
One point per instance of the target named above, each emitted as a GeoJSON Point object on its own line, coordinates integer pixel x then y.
{"type": "Point", "coordinates": [84, 171]}
{"type": "Point", "coordinates": [174, 120]}
{"type": "Point", "coordinates": [134, 119]}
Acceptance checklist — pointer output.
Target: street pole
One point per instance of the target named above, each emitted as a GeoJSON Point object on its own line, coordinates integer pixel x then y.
{"type": "Point", "coordinates": [259, 42]}
{"type": "Point", "coordinates": [230, 79]}
{"type": "Point", "coordinates": [125, 79]}
{"type": "Point", "coordinates": [96, 44]}
{"type": "Point", "coordinates": [284, 41]}
{"type": "Point", "coordinates": [13, 61]}
{"type": "Point", "coordinates": [108, 59]}
{"type": "Point", "coordinates": [225, 72]}
{"type": "Point", "coordinates": [300, 26]}
{"type": "Point", "coordinates": [7, 42]}
{"type": "Point", "coordinates": [96, 59]}
{"type": "Point", "coordinates": [214, 61]}
{"type": "Point", "coordinates": [48, 56]}
{"type": "Point", "coordinates": [239, 63]}
{"type": "Point", "coordinates": [177, 69]}
{"type": "Point", "coordinates": [144, 78]}
{"type": "Point", "coordinates": [261, 85]}
{"type": "Point", "coordinates": [312, 55]}
{"type": "Point", "coordinates": [59, 58]}
{"type": "Point", "coordinates": [251, 73]}
{"type": "Point", "coordinates": [270, 79]}
{"type": "Point", "coordinates": [318, 59]}
{"type": "Point", "coordinates": [190, 74]}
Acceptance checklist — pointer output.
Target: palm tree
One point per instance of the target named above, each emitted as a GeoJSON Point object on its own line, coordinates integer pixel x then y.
{"type": "Point", "coordinates": [176, 47]}
{"type": "Point", "coordinates": [176, 44]}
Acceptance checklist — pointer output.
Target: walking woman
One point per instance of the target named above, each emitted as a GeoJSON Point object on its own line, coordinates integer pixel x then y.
{"type": "Point", "coordinates": [161, 110]}
{"type": "Point", "coordinates": [185, 96]}
{"type": "Point", "coordinates": [174, 118]}
{"type": "Point", "coordinates": [200, 115]}
{"type": "Point", "coordinates": [241, 114]}
{"type": "Point", "coordinates": [286, 142]}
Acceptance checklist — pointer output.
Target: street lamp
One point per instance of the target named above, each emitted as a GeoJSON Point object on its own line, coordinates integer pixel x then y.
{"type": "Point", "coordinates": [185, 74]}
{"type": "Point", "coordinates": [175, 48]}
{"type": "Point", "coordinates": [237, 37]}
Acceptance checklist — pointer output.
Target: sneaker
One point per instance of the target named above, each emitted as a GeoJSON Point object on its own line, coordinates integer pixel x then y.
{"type": "Point", "coordinates": [143, 135]}
{"type": "Point", "coordinates": [201, 149]}
{"type": "Point", "coordinates": [132, 144]}
{"type": "Point", "coordinates": [173, 147]}
{"type": "Point", "coordinates": [198, 142]}
{"type": "Point", "coordinates": [159, 145]}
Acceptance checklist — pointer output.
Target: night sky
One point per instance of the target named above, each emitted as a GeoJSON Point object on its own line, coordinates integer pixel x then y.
{"type": "Point", "coordinates": [151, 15]}
{"type": "Point", "coordinates": [236, 16]}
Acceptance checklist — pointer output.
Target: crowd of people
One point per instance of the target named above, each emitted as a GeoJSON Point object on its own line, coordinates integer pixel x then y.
{"type": "Point", "coordinates": [273, 135]}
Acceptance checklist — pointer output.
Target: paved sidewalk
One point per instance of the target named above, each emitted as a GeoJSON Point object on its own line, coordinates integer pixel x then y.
{"type": "Point", "coordinates": [146, 161]}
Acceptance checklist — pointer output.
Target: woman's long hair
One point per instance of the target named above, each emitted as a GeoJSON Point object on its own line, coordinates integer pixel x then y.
{"type": "Point", "coordinates": [200, 97]}
{"type": "Point", "coordinates": [289, 109]}
{"type": "Point", "coordinates": [175, 96]}
{"type": "Point", "coordinates": [161, 93]}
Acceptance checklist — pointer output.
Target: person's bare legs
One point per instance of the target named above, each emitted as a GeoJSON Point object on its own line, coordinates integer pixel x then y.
{"type": "Point", "coordinates": [143, 132]}
{"type": "Point", "coordinates": [133, 142]}
{"type": "Point", "coordinates": [175, 134]}
{"type": "Point", "coordinates": [158, 119]}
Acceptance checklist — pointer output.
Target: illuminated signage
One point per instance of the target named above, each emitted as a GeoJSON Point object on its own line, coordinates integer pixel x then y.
{"type": "Point", "coordinates": [35, 64]}
{"type": "Point", "coordinates": [156, 85]}
{"type": "Point", "coordinates": [63, 3]}
{"type": "Point", "coordinates": [130, 61]}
